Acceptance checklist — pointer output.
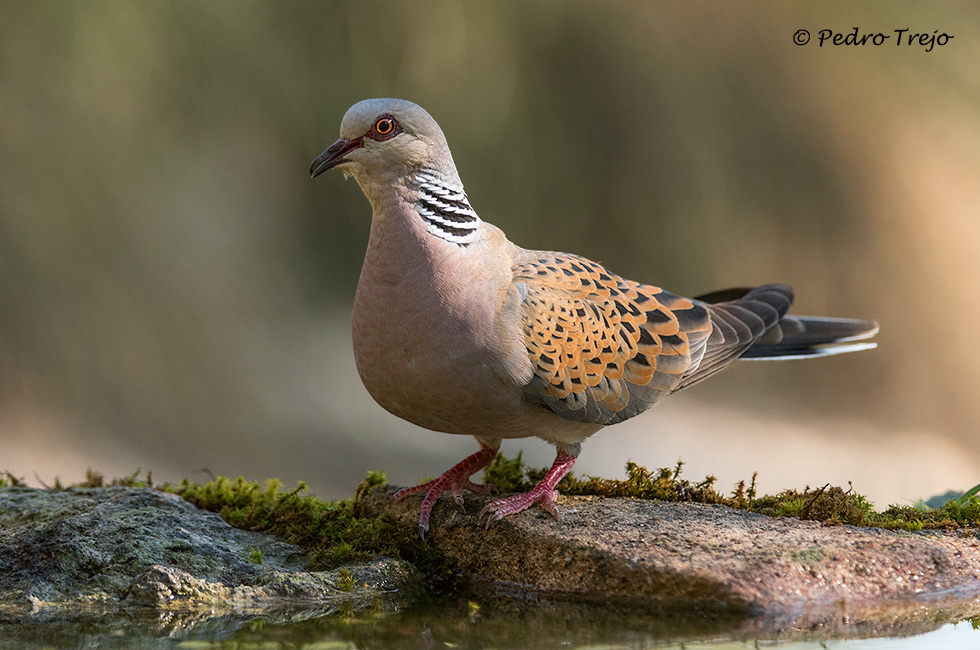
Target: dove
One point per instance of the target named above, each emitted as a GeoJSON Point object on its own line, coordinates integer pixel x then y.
{"type": "Point", "coordinates": [457, 329]}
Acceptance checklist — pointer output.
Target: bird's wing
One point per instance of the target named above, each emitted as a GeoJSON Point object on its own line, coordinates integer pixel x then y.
{"type": "Point", "coordinates": [603, 348]}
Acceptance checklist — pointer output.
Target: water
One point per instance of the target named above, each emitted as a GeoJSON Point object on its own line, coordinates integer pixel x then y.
{"type": "Point", "coordinates": [458, 624]}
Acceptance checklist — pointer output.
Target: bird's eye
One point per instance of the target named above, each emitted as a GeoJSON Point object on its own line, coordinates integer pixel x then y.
{"type": "Point", "coordinates": [385, 127]}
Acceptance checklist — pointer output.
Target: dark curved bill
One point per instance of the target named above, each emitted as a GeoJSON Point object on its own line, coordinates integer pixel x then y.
{"type": "Point", "coordinates": [333, 156]}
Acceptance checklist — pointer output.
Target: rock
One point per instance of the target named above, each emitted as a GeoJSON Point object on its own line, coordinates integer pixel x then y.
{"type": "Point", "coordinates": [683, 557]}
{"type": "Point", "coordinates": [144, 562]}
{"type": "Point", "coordinates": [111, 547]}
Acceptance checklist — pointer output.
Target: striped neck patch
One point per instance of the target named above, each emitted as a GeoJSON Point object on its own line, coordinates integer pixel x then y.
{"type": "Point", "coordinates": [445, 210]}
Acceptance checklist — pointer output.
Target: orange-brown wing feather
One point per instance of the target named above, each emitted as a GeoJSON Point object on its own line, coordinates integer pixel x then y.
{"type": "Point", "coordinates": [603, 348]}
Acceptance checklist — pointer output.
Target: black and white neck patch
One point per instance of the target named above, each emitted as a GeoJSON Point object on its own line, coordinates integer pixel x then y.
{"type": "Point", "coordinates": [445, 210]}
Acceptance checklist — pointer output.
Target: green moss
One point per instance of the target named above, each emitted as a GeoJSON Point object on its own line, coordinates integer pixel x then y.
{"type": "Point", "coordinates": [510, 475]}
{"type": "Point", "coordinates": [9, 480]}
{"type": "Point", "coordinates": [665, 484]}
{"type": "Point", "coordinates": [507, 475]}
{"type": "Point", "coordinates": [346, 580]}
{"type": "Point", "coordinates": [330, 531]}
{"type": "Point", "coordinates": [831, 505]}
{"type": "Point", "coordinates": [95, 479]}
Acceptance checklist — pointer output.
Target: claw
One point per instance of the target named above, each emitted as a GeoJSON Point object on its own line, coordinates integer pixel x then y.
{"type": "Point", "coordinates": [544, 493]}
{"type": "Point", "coordinates": [548, 503]}
{"type": "Point", "coordinates": [458, 494]}
{"type": "Point", "coordinates": [455, 480]}
{"type": "Point", "coordinates": [494, 516]}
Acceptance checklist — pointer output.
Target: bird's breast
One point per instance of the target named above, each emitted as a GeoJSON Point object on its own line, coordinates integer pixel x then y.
{"type": "Point", "coordinates": [426, 339]}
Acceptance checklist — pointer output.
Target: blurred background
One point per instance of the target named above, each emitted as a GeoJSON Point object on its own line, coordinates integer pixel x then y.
{"type": "Point", "coordinates": [175, 291]}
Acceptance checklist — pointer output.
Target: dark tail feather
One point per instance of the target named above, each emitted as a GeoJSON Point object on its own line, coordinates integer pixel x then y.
{"type": "Point", "coordinates": [801, 337]}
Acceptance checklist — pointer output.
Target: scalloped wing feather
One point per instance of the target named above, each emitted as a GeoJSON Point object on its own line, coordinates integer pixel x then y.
{"type": "Point", "coordinates": [603, 348]}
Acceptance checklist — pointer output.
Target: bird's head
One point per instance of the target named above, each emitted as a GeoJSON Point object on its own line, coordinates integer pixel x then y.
{"type": "Point", "coordinates": [384, 137]}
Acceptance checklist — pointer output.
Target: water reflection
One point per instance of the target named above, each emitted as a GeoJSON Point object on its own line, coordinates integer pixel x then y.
{"type": "Point", "coordinates": [449, 624]}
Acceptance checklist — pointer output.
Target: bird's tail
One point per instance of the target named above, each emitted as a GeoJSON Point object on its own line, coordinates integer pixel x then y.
{"type": "Point", "coordinates": [802, 337]}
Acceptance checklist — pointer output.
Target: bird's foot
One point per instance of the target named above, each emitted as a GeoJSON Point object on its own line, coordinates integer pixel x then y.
{"type": "Point", "coordinates": [511, 505]}
{"type": "Point", "coordinates": [543, 493]}
{"type": "Point", "coordinates": [455, 480]}
{"type": "Point", "coordinates": [443, 483]}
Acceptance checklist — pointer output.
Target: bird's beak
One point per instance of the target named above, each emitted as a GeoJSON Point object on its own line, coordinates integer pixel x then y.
{"type": "Point", "coordinates": [333, 156]}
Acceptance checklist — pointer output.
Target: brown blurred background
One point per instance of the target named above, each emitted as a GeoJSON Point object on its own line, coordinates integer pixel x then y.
{"type": "Point", "coordinates": [175, 292]}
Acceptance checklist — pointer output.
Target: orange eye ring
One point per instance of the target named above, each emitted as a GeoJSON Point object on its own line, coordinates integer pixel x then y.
{"type": "Point", "coordinates": [385, 127]}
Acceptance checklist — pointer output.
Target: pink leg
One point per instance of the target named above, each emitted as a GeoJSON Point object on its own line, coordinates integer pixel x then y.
{"type": "Point", "coordinates": [543, 493]}
{"type": "Point", "coordinates": [456, 479]}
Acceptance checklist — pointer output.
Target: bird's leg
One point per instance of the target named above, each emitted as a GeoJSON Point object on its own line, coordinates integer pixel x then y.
{"type": "Point", "coordinates": [456, 479]}
{"type": "Point", "coordinates": [543, 493]}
